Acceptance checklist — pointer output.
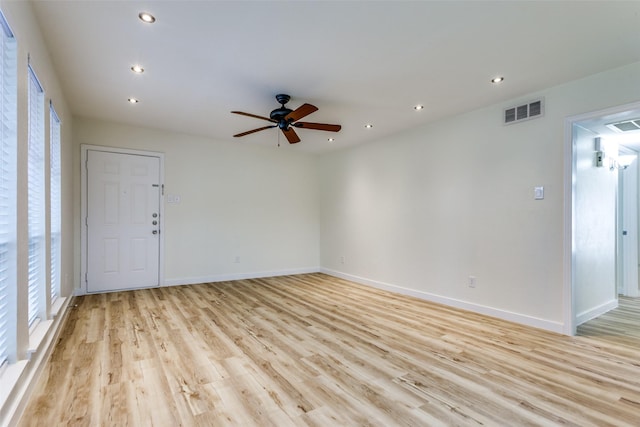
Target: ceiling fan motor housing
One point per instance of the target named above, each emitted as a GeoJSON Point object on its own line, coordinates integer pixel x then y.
{"type": "Point", "coordinates": [279, 114]}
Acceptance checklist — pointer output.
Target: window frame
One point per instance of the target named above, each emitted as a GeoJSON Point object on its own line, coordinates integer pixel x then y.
{"type": "Point", "coordinates": [8, 193]}
{"type": "Point", "coordinates": [55, 202]}
{"type": "Point", "coordinates": [36, 200]}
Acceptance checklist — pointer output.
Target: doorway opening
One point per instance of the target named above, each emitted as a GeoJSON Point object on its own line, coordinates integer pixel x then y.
{"type": "Point", "coordinates": [603, 231]}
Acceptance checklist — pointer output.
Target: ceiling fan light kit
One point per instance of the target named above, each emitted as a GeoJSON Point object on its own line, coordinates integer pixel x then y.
{"type": "Point", "coordinates": [285, 119]}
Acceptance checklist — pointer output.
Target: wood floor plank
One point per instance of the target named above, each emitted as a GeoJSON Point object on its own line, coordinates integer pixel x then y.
{"type": "Point", "coordinates": [314, 350]}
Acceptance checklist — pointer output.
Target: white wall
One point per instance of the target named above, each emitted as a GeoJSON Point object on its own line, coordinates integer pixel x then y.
{"type": "Point", "coordinates": [259, 204]}
{"type": "Point", "coordinates": [595, 229]}
{"type": "Point", "coordinates": [421, 211]}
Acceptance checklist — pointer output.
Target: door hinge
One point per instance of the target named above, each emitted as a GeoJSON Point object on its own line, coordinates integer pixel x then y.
{"type": "Point", "coordinates": [86, 221]}
{"type": "Point", "coordinates": [85, 278]}
{"type": "Point", "coordinates": [162, 192]}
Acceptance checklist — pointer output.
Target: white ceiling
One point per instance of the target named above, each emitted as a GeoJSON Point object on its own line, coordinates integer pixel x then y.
{"type": "Point", "coordinates": [357, 61]}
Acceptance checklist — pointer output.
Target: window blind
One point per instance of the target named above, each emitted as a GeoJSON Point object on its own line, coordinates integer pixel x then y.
{"type": "Point", "coordinates": [8, 149]}
{"type": "Point", "coordinates": [36, 211]}
{"type": "Point", "coordinates": [55, 201]}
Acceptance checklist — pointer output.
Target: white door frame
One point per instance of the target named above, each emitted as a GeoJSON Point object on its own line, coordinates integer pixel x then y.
{"type": "Point", "coordinates": [569, 260]}
{"type": "Point", "coordinates": [84, 149]}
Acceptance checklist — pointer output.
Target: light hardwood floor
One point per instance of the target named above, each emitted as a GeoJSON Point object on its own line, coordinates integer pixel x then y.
{"type": "Point", "coordinates": [319, 351]}
{"type": "Point", "coordinates": [617, 325]}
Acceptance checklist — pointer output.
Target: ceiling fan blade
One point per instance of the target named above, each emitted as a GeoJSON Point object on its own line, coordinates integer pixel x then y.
{"type": "Point", "coordinates": [254, 116]}
{"type": "Point", "coordinates": [318, 126]}
{"type": "Point", "coordinates": [254, 130]}
{"type": "Point", "coordinates": [291, 135]}
{"type": "Point", "coordinates": [300, 112]}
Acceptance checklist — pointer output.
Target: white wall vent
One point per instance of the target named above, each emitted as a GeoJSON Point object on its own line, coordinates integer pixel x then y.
{"type": "Point", "coordinates": [625, 126]}
{"type": "Point", "coordinates": [527, 111]}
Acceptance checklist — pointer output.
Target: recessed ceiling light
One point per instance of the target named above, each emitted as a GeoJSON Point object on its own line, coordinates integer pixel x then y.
{"type": "Point", "coordinates": [418, 107]}
{"type": "Point", "coordinates": [330, 139]}
{"type": "Point", "coordinates": [137, 69]}
{"type": "Point", "coordinates": [368, 125]}
{"type": "Point", "coordinates": [133, 100]}
{"type": "Point", "coordinates": [146, 17]}
{"type": "Point", "coordinates": [497, 79]}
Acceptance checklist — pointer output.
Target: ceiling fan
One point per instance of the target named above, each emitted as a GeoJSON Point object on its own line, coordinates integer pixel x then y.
{"type": "Point", "coordinates": [285, 119]}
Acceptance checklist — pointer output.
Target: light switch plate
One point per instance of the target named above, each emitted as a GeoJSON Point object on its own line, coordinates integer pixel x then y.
{"type": "Point", "coordinates": [538, 193]}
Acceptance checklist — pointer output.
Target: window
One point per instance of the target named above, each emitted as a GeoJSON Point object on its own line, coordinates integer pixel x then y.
{"type": "Point", "coordinates": [55, 202]}
{"type": "Point", "coordinates": [8, 149]}
{"type": "Point", "coordinates": [36, 212]}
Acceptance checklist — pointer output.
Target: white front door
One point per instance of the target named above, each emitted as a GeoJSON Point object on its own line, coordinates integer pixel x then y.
{"type": "Point", "coordinates": [123, 221]}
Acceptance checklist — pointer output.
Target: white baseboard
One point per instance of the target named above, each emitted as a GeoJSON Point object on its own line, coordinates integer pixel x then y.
{"type": "Point", "coordinates": [592, 313]}
{"type": "Point", "coordinates": [535, 322]}
{"type": "Point", "coordinates": [195, 280]}
{"type": "Point", "coordinates": [238, 276]}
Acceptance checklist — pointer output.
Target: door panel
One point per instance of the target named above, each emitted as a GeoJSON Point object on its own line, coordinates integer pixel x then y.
{"type": "Point", "coordinates": [123, 246]}
{"type": "Point", "coordinates": [628, 197]}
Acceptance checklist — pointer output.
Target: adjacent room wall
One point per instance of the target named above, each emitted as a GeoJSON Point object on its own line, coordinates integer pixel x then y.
{"type": "Point", "coordinates": [422, 211]}
{"type": "Point", "coordinates": [595, 229]}
{"type": "Point", "coordinates": [244, 211]}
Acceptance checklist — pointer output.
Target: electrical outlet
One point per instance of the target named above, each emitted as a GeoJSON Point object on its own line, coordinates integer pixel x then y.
{"type": "Point", "coordinates": [472, 281]}
{"type": "Point", "coordinates": [342, 259]}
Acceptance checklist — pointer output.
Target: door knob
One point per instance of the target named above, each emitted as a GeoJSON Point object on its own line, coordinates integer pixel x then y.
{"type": "Point", "coordinates": [155, 215]}
{"type": "Point", "coordinates": [154, 222]}
{"type": "Point", "coordinates": [154, 232]}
